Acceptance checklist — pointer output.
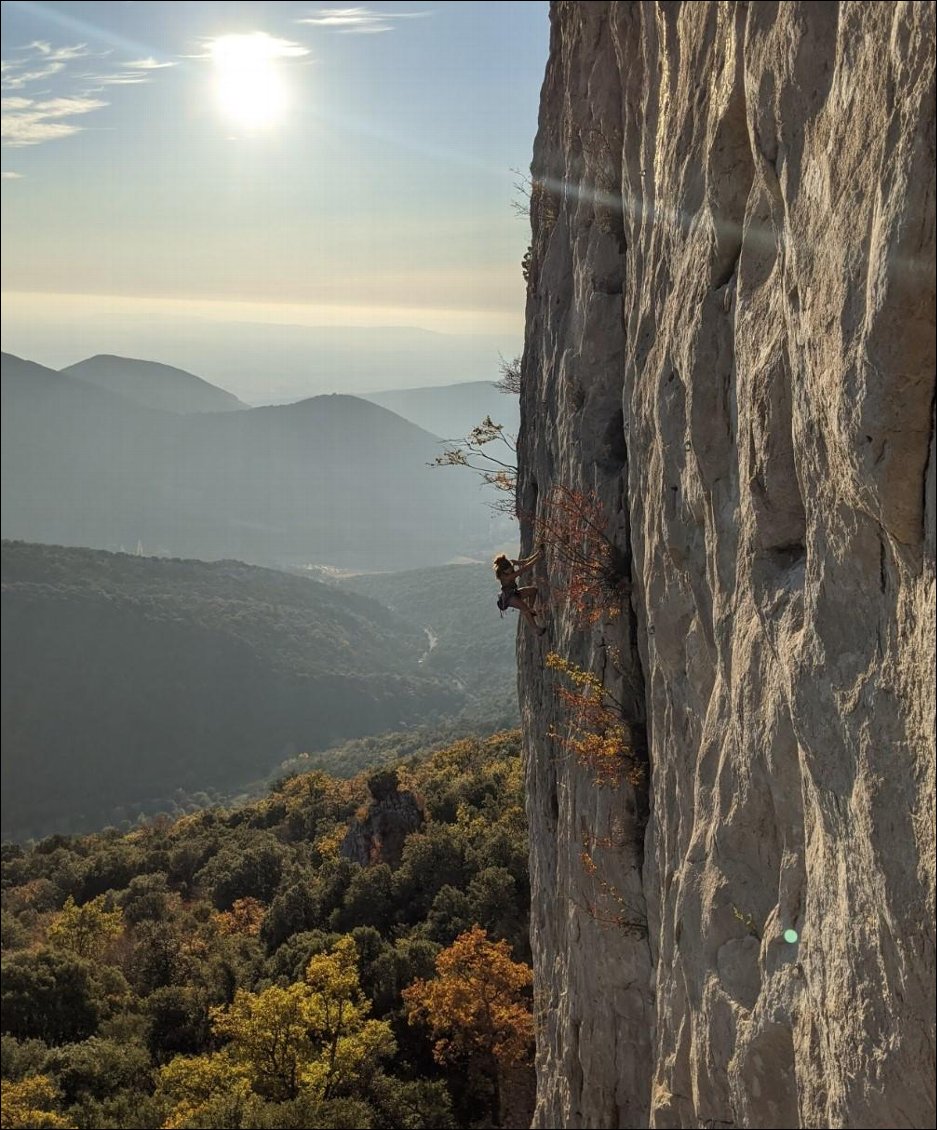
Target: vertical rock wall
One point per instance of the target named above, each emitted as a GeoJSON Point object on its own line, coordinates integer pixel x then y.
{"type": "Point", "coordinates": [730, 339]}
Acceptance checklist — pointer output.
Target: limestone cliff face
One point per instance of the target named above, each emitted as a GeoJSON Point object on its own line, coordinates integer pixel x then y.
{"type": "Point", "coordinates": [730, 340]}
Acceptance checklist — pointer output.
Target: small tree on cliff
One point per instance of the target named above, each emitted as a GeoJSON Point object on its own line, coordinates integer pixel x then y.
{"type": "Point", "coordinates": [594, 729]}
{"type": "Point", "coordinates": [586, 568]}
{"type": "Point", "coordinates": [490, 452]}
{"type": "Point", "coordinates": [488, 449]}
{"type": "Point", "coordinates": [510, 381]}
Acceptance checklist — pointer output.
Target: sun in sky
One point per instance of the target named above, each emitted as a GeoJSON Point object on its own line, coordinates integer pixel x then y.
{"type": "Point", "coordinates": [249, 83]}
{"type": "Point", "coordinates": [173, 171]}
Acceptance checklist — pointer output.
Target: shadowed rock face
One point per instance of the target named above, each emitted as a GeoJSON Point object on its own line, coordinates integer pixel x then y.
{"type": "Point", "coordinates": [730, 339]}
{"type": "Point", "coordinates": [379, 836]}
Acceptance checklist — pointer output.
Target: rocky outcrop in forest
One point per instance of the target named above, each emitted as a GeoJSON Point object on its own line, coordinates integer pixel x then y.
{"type": "Point", "coordinates": [730, 353]}
{"type": "Point", "coordinates": [378, 833]}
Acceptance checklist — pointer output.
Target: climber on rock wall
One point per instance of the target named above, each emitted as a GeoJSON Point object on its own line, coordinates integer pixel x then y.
{"type": "Point", "coordinates": [511, 596]}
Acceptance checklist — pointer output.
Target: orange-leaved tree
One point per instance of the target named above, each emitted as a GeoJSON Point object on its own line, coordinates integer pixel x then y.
{"type": "Point", "coordinates": [586, 568]}
{"type": "Point", "coordinates": [477, 1006]}
{"type": "Point", "coordinates": [594, 728]}
{"type": "Point", "coordinates": [245, 917]}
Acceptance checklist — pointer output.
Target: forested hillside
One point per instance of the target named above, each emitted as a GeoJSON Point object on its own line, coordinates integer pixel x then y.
{"type": "Point", "coordinates": [131, 681]}
{"type": "Point", "coordinates": [470, 642]}
{"type": "Point", "coordinates": [240, 969]}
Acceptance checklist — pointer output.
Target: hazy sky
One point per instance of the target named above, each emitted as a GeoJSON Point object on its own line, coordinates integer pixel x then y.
{"type": "Point", "coordinates": [173, 169]}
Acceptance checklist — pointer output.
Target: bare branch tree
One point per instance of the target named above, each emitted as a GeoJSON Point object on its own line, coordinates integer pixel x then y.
{"type": "Point", "coordinates": [510, 375]}
{"type": "Point", "coordinates": [473, 452]}
{"type": "Point", "coordinates": [523, 191]}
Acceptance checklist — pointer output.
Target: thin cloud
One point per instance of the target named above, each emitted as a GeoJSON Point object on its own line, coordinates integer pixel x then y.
{"type": "Point", "coordinates": [147, 65]}
{"type": "Point", "coordinates": [271, 46]}
{"type": "Point", "coordinates": [134, 73]}
{"type": "Point", "coordinates": [37, 112]}
{"type": "Point", "coordinates": [123, 78]}
{"type": "Point", "coordinates": [57, 54]}
{"type": "Point", "coordinates": [29, 122]}
{"type": "Point", "coordinates": [10, 175]}
{"type": "Point", "coordinates": [358, 20]}
{"type": "Point", "coordinates": [38, 61]}
{"type": "Point", "coordinates": [15, 79]}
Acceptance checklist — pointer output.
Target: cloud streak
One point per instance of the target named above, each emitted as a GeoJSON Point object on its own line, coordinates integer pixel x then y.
{"type": "Point", "coordinates": [14, 79]}
{"type": "Point", "coordinates": [134, 73]}
{"type": "Point", "coordinates": [38, 61]}
{"type": "Point", "coordinates": [266, 46]}
{"type": "Point", "coordinates": [358, 20]}
{"type": "Point", "coordinates": [147, 65]}
{"type": "Point", "coordinates": [58, 54]}
{"type": "Point", "coordinates": [27, 121]}
{"type": "Point", "coordinates": [32, 116]}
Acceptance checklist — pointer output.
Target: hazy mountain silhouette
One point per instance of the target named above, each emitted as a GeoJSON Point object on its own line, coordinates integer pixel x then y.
{"type": "Point", "coordinates": [127, 679]}
{"type": "Point", "coordinates": [154, 385]}
{"type": "Point", "coordinates": [333, 479]}
{"type": "Point", "coordinates": [451, 411]}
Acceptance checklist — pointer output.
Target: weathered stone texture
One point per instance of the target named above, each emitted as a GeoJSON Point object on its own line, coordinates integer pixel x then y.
{"type": "Point", "coordinates": [378, 834]}
{"type": "Point", "coordinates": [731, 338]}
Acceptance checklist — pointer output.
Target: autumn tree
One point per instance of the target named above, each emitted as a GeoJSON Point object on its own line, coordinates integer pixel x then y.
{"type": "Point", "coordinates": [245, 917]}
{"type": "Point", "coordinates": [476, 1006]}
{"type": "Point", "coordinates": [585, 567]}
{"type": "Point", "coordinates": [85, 930]}
{"type": "Point", "coordinates": [30, 1104]}
{"type": "Point", "coordinates": [313, 1036]}
{"type": "Point", "coordinates": [593, 727]}
{"type": "Point", "coordinates": [350, 1045]}
{"type": "Point", "coordinates": [193, 1088]}
{"type": "Point", "coordinates": [269, 1036]}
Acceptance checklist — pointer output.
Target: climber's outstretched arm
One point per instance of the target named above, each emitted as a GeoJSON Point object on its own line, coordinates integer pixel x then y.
{"type": "Point", "coordinates": [528, 562]}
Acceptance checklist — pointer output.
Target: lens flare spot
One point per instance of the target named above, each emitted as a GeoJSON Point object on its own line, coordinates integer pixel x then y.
{"type": "Point", "coordinates": [791, 936]}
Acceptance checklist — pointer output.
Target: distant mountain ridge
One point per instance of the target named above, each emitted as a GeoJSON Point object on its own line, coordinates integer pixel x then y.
{"type": "Point", "coordinates": [154, 385]}
{"type": "Point", "coordinates": [332, 479]}
{"type": "Point", "coordinates": [451, 411]}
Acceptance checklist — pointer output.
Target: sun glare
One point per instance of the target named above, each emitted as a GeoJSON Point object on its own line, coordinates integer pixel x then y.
{"type": "Point", "coordinates": [248, 84]}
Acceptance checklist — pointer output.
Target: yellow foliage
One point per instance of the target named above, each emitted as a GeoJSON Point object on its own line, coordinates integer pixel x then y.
{"type": "Point", "coordinates": [334, 976]}
{"type": "Point", "coordinates": [471, 822]}
{"type": "Point", "coordinates": [85, 930]}
{"type": "Point", "coordinates": [574, 673]}
{"type": "Point", "coordinates": [191, 1083]}
{"type": "Point", "coordinates": [27, 1104]}
{"type": "Point", "coordinates": [407, 779]}
{"type": "Point", "coordinates": [328, 844]}
{"type": "Point", "coordinates": [347, 1058]}
{"type": "Point", "coordinates": [477, 1003]}
{"type": "Point", "coordinates": [596, 733]}
{"type": "Point", "coordinates": [269, 1037]}
{"type": "Point", "coordinates": [313, 1035]}
{"type": "Point", "coordinates": [468, 758]}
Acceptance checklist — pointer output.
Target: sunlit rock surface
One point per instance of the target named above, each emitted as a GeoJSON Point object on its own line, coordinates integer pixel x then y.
{"type": "Point", "coordinates": [730, 338]}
